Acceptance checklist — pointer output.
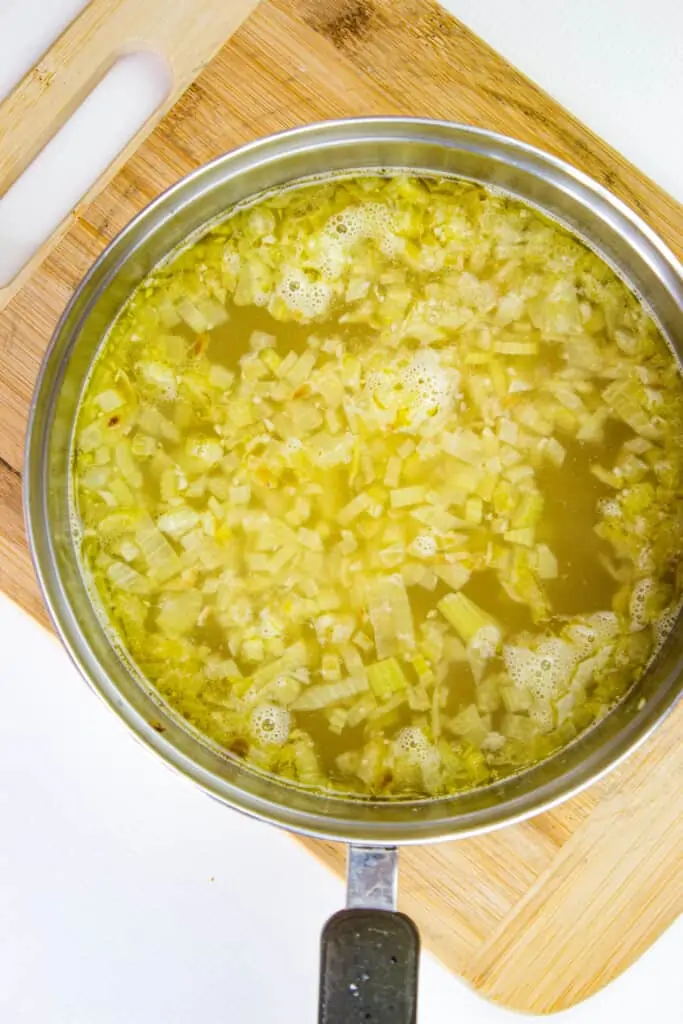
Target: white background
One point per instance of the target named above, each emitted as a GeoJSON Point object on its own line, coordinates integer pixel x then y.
{"type": "Point", "coordinates": [125, 894]}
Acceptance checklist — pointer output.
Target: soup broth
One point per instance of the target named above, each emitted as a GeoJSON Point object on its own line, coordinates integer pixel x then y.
{"type": "Point", "coordinates": [379, 485]}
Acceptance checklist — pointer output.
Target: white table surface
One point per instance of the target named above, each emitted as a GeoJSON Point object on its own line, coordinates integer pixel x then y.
{"type": "Point", "coordinates": [127, 896]}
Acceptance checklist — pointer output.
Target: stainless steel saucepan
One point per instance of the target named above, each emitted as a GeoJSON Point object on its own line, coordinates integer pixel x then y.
{"type": "Point", "coordinates": [369, 951]}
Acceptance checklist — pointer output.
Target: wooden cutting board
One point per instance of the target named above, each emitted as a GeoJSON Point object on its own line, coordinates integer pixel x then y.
{"type": "Point", "coordinates": [536, 916]}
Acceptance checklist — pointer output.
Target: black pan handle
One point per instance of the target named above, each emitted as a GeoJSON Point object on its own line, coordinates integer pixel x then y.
{"type": "Point", "coordinates": [369, 952]}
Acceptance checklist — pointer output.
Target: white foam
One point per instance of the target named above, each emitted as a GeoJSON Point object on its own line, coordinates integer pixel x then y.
{"type": "Point", "coordinates": [544, 671]}
{"type": "Point", "coordinates": [593, 631]}
{"type": "Point", "coordinates": [494, 741]}
{"type": "Point", "coordinates": [355, 223]}
{"type": "Point", "coordinates": [366, 220]}
{"type": "Point", "coordinates": [415, 391]}
{"type": "Point", "coordinates": [610, 508]}
{"type": "Point", "coordinates": [604, 624]}
{"type": "Point", "coordinates": [664, 625]}
{"type": "Point", "coordinates": [302, 295]}
{"type": "Point", "coordinates": [413, 743]}
{"type": "Point", "coordinates": [334, 259]}
{"type": "Point", "coordinates": [270, 724]}
{"type": "Point", "coordinates": [639, 596]}
{"type": "Point", "coordinates": [542, 714]}
{"type": "Point", "coordinates": [424, 546]}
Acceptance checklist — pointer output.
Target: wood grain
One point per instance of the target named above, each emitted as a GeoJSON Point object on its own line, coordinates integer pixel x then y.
{"type": "Point", "coordinates": [584, 920]}
{"type": "Point", "coordinates": [539, 915]}
{"type": "Point", "coordinates": [185, 34]}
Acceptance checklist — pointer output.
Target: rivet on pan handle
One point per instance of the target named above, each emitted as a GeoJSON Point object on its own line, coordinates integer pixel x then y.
{"type": "Point", "coordinates": [186, 33]}
{"type": "Point", "coordinates": [369, 952]}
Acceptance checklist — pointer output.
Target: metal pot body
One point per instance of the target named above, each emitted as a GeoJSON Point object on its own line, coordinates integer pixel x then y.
{"type": "Point", "coordinates": [185, 211]}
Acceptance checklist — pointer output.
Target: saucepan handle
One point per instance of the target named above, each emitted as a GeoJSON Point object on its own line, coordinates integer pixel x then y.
{"type": "Point", "coordinates": [369, 952]}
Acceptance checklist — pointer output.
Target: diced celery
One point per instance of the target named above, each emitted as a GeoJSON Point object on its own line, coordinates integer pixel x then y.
{"type": "Point", "coordinates": [455, 575]}
{"type": "Point", "coordinates": [240, 495]}
{"type": "Point", "coordinates": [392, 556]}
{"type": "Point", "coordinates": [359, 711]}
{"type": "Point", "coordinates": [178, 613]}
{"type": "Point", "coordinates": [528, 510]}
{"type": "Point", "coordinates": [126, 578]}
{"type": "Point", "coordinates": [109, 400]}
{"type": "Point", "coordinates": [294, 657]}
{"type": "Point", "coordinates": [482, 647]}
{"type": "Point", "coordinates": [474, 510]}
{"type": "Point", "coordinates": [386, 714]}
{"type": "Point", "coordinates": [354, 508]}
{"type": "Point", "coordinates": [468, 723]}
{"type": "Point", "coordinates": [524, 535]}
{"type": "Point", "coordinates": [310, 539]}
{"type": "Point", "coordinates": [362, 641]}
{"type": "Point", "coordinates": [519, 580]}
{"type": "Point", "coordinates": [390, 615]}
{"type": "Point", "coordinates": [127, 465]}
{"type": "Point", "coordinates": [372, 764]}
{"type": "Point", "coordinates": [178, 521]}
{"type": "Point", "coordinates": [307, 766]}
{"type": "Point", "coordinates": [386, 677]}
{"type": "Point", "coordinates": [330, 668]}
{"type": "Point", "coordinates": [204, 452]}
{"type": "Point", "coordinates": [392, 474]}
{"type": "Point", "coordinates": [546, 563]}
{"type": "Point", "coordinates": [143, 446]}
{"type": "Point", "coordinates": [628, 399]}
{"type": "Point", "coordinates": [608, 477]}
{"type": "Point", "coordinates": [553, 450]}
{"type": "Point", "coordinates": [287, 364]}
{"type": "Point", "coordinates": [516, 348]}
{"type": "Point", "coordinates": [405, 496]}
{"type": "Point", "coordinates": [437, 518]}
{"type": "Point", "coordinates": [422, 668]}
{"type": "Point", "coordinates": [465, 446]}
{"type": "Point", "coordinates": [418, 698]}
{"type": "Point", "coordinates": [488, 695]}
{"type": "Point", "coordinates": [95, 479]}
{"type": "Point", "coordinates": [592, 427]}
{"type": "Point", "coordinates": [352, 659]}
{"type": "Point", "coordinates": [520, 728]}
{"type": "Point", "coordinates": [161, 559]}
{"type": "Point", "coordinates": [465, 616]}
{"type": "Point", "coordinates": [516, 698]}
{"type": "Point", "coordinates": [323, 695]}
{"type": "Point", "coordinates": [302, 367]}
{"type": "Point", "coordinates": [337, 718]}
{"type": "Point", "coordinates": [453, 649]}
{"type": "Point", "coordinates": [253, 650]}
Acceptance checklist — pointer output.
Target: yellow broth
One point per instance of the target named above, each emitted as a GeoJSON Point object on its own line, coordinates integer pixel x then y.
{"type": "Point", "coordinates": [378, 483]}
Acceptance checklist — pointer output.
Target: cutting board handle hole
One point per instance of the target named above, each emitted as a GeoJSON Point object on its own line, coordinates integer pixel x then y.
{"type": "Point", "coordinates": [76, 157]}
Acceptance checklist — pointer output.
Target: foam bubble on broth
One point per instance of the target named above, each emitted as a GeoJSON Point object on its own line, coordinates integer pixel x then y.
{"type": "Point", "coordinates": [664, 625]}
{"type": "Point", "coordinates": [270, 724]}
{"type": "Point", "coordinates": [357, 222]}
{"type": "Point", "coordinates": [642, 591]}
{"type": "Point", "coordinates": [308, 298]}
{"type": "Point", "coordinates": [411, 393]}
{"type": "Point", "coordinates": [412, 743]}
